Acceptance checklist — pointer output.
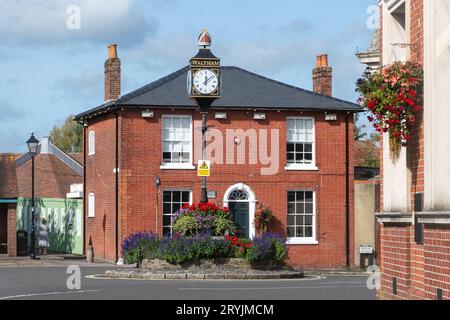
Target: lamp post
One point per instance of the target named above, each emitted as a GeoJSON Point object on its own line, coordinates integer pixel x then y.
{"type": "Point", "coordinates": [204, 106]}
{"type": "Point", "coordinates": [32, 148]}
{"type": "Point", "coordinates": [204, 89]}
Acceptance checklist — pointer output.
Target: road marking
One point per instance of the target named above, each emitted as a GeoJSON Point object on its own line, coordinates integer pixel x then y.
{"type": "Point", "coordinates": [46, 294]}
{"type": "Point", "coordinates": [306, 278]}
{"type": "Point", "coordinates": [272, 288]}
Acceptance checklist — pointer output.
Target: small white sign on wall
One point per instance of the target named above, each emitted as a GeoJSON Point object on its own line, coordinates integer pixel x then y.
{"type": "Point", "coordinates": [365, 249]}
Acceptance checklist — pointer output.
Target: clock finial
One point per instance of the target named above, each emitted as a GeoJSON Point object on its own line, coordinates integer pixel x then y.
{"type": "Point", "coordinates": [204, 39]}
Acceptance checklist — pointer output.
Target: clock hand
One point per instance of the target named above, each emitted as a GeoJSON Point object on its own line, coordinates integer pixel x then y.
{"type": "Point", "coordinates": [209, 79]}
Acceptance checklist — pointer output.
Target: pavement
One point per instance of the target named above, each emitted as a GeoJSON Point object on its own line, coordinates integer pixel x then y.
{"type": "Point", "coordinates": [50, 282]}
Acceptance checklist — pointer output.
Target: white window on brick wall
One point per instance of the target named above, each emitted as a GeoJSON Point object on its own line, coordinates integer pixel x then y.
{"type": "Point", "coordinates": [300, 143]}
{"type": "Point", "coordinates": [91, 142]}
{"type": "Point", "coordinates": [91, 205]}
{"type": "Point", "coordinates": [177, 142]}
{"type": "Point", "coordinates": [301, 217]}
{"type": "Point", "coordinates": [173, 200]}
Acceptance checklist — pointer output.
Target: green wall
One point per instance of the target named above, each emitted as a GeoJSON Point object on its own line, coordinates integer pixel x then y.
{"type": "Point", "coordinates": [65, 219]}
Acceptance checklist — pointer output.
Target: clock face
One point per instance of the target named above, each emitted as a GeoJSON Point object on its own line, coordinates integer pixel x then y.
{"type": "Point", "coordinates": [205, 81]}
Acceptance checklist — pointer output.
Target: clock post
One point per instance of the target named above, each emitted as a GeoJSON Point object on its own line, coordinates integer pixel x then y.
{"type": "Point", "coordinates": [204, 88]}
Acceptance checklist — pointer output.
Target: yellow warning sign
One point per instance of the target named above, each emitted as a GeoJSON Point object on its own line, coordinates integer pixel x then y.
{"type": "Point", "coordinates": [203, 168]}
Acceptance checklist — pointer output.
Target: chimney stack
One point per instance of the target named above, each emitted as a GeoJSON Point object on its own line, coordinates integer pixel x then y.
{"type": "Point", "coordinates": [323, 76]}
{"type": "Point", "coordinates": [112, 74]}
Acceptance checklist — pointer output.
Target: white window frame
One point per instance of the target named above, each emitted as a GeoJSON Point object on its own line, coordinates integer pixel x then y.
{"type": "Point", "coordinates": [91, 205]}
{"type": "Point", "coordinates": [91, 143]}
{"type": "Point", "coordinates": [304, 240]}
{"type": "Point", "coordinates": [302, 166]}
{"type": "Point", "coordinates": [162, 202]}
{"type": "Point", "coordinates": [177, 166]}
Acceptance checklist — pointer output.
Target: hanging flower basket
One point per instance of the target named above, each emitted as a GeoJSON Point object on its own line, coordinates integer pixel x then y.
{"type": "Point", "coordinates": [263, 217]}
{"type": "Point", "coordinates": [393, 96]}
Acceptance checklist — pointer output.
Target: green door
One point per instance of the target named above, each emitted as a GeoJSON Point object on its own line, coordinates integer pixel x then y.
{"type": "Point", "coordinates": [240, 213]}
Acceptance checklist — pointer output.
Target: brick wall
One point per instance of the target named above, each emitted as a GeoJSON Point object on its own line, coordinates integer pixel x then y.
{"type": "Point", "coordinates": [52, 178]}
{"type": "Point", "coordinates": [100, 179]}
{"type": "Point", "coordinates": [12, 238]}
{"type": "Point", "coordinates": [420, 269]}
{"type": "Point", "coordinates": [140, 160]}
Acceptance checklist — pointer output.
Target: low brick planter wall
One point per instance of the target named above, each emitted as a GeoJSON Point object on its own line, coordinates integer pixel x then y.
{"type": "Point", "coordinates": [204, 264]}
{"type": "Point", "coordinates": [211, 274]}
{"type": "Point", "coordinates": [216, 269]}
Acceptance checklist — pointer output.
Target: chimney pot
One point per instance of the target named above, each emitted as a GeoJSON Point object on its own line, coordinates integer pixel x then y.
{"type": "Point", "coordinates": [318, 61]}
{"type": "Point", "coordinates": [112, 51]}
{"type": "Point", "coordinates": [324, 60]}
{"type": "Point", "coordinates": [323, 76]}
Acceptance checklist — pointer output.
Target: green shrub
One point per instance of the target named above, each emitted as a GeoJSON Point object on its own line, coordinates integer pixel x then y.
{"type": "Point", "coordinates": [267, 249]}
{"type": "Point", "coordinates": [185, 225]}
{"type": "Point", "coordinates": [203, 218]}
{"type": "Point", "coordinates": [135, 246]}
{"type": "Point", "coordinates": [222, 224]}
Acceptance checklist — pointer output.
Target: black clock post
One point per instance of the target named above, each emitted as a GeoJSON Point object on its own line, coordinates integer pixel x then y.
{"type": "Point", "coordinates": [204, 88]}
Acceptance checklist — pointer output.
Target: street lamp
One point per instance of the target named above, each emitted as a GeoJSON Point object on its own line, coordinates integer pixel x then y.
{"type": "Point", "coordinates": [203, 84]}
{"type": "Point", "coordinates": [32, 144]}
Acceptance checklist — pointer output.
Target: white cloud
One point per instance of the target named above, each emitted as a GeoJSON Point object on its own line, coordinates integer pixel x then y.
{"type": "Point", "coordinates": [45, 22]}
{"type": "Point", "coordinates": [86, 86]}
{"type": "Point", "coordinates": [9, 112]}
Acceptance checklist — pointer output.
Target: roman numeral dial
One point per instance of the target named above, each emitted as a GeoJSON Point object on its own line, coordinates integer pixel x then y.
{"type": "Point", "coordinates": [205, 81]}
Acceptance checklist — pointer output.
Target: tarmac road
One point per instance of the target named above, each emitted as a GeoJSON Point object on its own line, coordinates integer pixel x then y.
{"type": "Point", "coordinates": [50, 282]}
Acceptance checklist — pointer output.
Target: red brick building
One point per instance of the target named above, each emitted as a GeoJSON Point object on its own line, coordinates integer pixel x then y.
{"type": "Point", "coordinates": [8, 204]}
{"type": "Point", "coordinates": [270, 143]}
{"type": "Point", "coordinates": [415, 217]}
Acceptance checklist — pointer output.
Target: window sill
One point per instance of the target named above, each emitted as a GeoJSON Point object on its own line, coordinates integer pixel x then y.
{"type": "Point", "coordinates": [299, 241]}
{"type": "Point", "coordinates": [301, 167]}
{"type": "Point", "coordinates": [174, 166]}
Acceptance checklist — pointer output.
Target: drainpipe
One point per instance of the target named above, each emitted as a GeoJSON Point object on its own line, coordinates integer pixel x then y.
{"type": "Point", "coordinates": [347, 192]}
{"type": "Point", "coordinates": [84, 188]}
{"type": "Point", "coordinates": [117, 186]}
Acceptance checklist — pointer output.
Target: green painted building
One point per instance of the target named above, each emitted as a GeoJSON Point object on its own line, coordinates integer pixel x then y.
{"type": "Point", "coordinates": [64, 218]}
{"type": "Point", "coordinates": [58, 197]}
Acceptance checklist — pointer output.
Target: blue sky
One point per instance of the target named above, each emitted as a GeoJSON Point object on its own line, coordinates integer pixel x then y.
{"type": "Point", "coordinates": [48, 71]}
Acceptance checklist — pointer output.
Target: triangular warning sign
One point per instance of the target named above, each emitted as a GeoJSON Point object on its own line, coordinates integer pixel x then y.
{"type": "Point", "coordinates": [203, 168]}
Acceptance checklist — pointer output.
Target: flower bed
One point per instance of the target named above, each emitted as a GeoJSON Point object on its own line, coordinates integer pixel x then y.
{"type": "Point", "coordinates": [203, 218]}
{"type": "Point", "coordinates": [269, 249]}
{"type": "Point", "coordinates": [393, 95]}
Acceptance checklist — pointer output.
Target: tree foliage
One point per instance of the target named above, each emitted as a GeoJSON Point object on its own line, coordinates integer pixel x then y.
{"type": "Point", "coordinates": [68, 137]}
{"type": "Point", "coordinates": [359, 130]}
{"type": "Point", "coordinates": [372, 159]}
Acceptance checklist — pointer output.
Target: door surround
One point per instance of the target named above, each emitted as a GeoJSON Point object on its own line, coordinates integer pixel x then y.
{"type": "Point", "coordinates": [251, 204]}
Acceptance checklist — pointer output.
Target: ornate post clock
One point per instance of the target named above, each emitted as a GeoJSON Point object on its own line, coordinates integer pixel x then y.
{"type": "Point", "coordinates": [203, 84]}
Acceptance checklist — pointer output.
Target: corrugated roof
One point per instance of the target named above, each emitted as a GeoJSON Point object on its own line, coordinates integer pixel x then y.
{"type": "Point", "coordinates": [240, 89]}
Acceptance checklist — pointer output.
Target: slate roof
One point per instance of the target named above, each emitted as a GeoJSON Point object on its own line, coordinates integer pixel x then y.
{"type": "Point", "coordinates": [240, 89]}
{"type": "Point", "coordinates": [8, 179]}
